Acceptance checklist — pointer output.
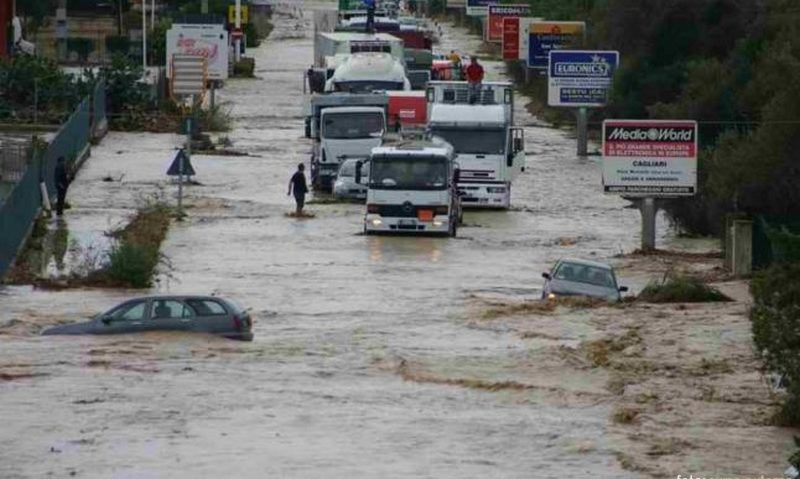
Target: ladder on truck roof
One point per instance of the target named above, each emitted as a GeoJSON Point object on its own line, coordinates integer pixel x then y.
{"type": "Point", "coordinates": [455, 92]}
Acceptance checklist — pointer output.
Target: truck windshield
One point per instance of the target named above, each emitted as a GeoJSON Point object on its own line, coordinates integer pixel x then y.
{"type": "Point", "coordinates": [367, 86]}
{"type": "Point", "coordinates": [419, 173]}
{"type": "Point", "coordinates": [350, 126]}
{"type": "Point", "coordinates": [474, 141]}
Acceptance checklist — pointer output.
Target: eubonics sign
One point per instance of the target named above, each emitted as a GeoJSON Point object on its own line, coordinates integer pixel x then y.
{"type": "Point", "coordinates": [650, 157]}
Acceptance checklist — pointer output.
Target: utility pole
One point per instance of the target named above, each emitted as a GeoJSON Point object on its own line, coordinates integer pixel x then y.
{"type": "Point", "coordinates": [204, 7]}
{"type": "Point", "coordinates": [153, 15]}
{"type": "Point", "coordinates": [237, 55]}
{"type": "Point", "coordinates": [583, 133]}
{"type": "Point", "coordinates": [144, 38]}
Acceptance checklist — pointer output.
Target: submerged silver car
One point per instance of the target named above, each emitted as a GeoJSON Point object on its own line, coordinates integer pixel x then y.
{"type": "Point", "coordinates": [204, 314]}
{"type": "Point", "coordinates": [577, 277]}
{"type": "Point", "coordinates": [345, 186]}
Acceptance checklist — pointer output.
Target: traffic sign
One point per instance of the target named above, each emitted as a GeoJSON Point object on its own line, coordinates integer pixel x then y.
{"type": "Point", "coordinates": [181, 165]}
{"type": "Point", "coordinates": [189, 75]}
{"type": "Point", "coordinates": [650, 158]}
{"type": "Point", "coordinates": [580, 78]}
{"type": "Point", "coordinates": [237, 34]}
{"type": "Point", "coordinates": [245, 15]}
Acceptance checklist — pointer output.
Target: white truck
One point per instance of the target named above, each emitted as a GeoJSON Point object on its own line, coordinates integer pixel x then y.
{"type": "Point", "coordinates": [332, 44]}
{"type": "Point", "coordinates": [411, 189]}
{"type": "Point", "coordinates": [368, 72]}
{"type": "Point", "coordinates": [489, 149]}
{"type": "Point", "coordinates": [343, 125]}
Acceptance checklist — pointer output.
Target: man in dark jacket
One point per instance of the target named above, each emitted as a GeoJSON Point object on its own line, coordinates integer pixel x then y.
{"type": "Point", "coordinates": [297, 185]}
{"type": "Point", "coordinates": [62, 180]}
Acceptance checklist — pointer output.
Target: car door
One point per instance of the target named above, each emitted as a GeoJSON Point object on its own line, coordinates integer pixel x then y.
{"type": "Point", "coordinates": [128, 318]}
{"type": "Point", "coordinates": [211, 316]}
{"type": "Point", "coordinates": [169, 314]}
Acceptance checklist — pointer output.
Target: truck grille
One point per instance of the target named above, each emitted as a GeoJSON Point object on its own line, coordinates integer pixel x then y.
{"type": "Point", "coordinates": [402, 211]}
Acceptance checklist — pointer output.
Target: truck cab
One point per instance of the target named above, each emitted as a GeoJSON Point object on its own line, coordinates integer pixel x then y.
{"type": "Point", "coordinates": [343, 125]}
{"type": "Point", "coordinates": [489, 149]}
{"type": "Point", "coordinates": [411, 189]}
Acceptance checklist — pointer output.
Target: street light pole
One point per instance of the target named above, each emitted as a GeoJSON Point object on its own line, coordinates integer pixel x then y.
{"type": "Point", "coordinates": [237, 55]}
{"type": "Point", "coordinates": [144, 37]}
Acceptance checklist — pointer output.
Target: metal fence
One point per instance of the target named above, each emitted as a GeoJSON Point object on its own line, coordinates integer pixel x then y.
{"type": "Point", "coordinates": [22, 205]}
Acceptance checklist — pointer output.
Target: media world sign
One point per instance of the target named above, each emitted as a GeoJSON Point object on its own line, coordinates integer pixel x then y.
{"type": "Point", "coordinates": [580, 78]}
{"type": "Point", "coordinates": [655, 158]}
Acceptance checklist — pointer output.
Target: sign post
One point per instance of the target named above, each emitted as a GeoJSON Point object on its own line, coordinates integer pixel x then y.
{"type": "Point", "coordinates": [650, 159]}
{"type": "Point", "coordinates": [580, 79]}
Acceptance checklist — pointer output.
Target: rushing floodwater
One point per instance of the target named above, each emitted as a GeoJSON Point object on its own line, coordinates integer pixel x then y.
{"type": "Point", "coordinates": [320, 392]}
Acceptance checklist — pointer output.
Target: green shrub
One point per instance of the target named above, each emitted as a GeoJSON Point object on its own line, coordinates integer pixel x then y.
{"type": "Point", "coordinates": [118, 44]}
{"type": "Point", "coordinates": [132, 264]}
{"type": "Point", "coordinates": [681, 289]}
{"type": "Point", "coordinates": [776, 329]}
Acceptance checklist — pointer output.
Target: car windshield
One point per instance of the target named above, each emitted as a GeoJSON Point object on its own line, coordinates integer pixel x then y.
{"type": "Point", "coordinates": [418, 173]}
{"type": "Point", "coordinates": [474, 141]}
{"type": "Point", "coordinates": [353, 125]}
{"type": "Point", "coordinates": [581, 273]}
{"type": "Point", "coordinates": [368, 86]}
{"type": "Point", "coordinates": [348, 169]}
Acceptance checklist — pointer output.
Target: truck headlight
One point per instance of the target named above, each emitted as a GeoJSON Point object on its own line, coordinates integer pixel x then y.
{"type": "Point", "coordinates": [377, 222]}
{"type": "Point", "coordinates": [552, 296]}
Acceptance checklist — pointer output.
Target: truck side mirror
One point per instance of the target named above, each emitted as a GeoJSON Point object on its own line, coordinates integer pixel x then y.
{"type": "Point", "coordinates": [359, 166]}
{"type": "Point", "coordinates": [518, 145]}
{"type": "Point", "coordinates": [457, 175]}
{"type": "Point", "coordinates": [106, 320]}
{"type": "Point", "coordinates": [546, 275]}
{"type": "Point", "coordinates": [308, 127]}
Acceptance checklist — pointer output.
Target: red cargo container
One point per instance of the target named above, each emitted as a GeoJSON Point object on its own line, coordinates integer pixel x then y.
{"type": "Point", "coordinates": [409, 107]}
{"type": "Point", "coordinates": [414, 39]}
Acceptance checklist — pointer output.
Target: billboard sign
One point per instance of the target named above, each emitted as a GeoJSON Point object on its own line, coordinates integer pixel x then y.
{"type": "Point", "coordinates": [656, 158]}
{"type": "Point", "coordinates": [479, 8]}
{"type": "Point", "coordinates": [580, 78]}
{"type": "Point", "coordinates": [546, 36]}
{"type": "Point", "coordinates": [511, 38]}
{"type": "Point", "coordinates": [205, 40]}
{"type": "Point", "coordinates": [495, 20]}
{"type": "Point", "coordinates": [524, 32]}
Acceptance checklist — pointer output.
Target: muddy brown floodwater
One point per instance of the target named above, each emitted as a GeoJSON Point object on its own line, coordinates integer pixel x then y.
{"type": "Point", "coordinates": [372, 356]}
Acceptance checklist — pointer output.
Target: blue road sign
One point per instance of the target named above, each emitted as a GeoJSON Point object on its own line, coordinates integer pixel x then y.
{"type": "Point", "coordinates": [545, 36]}
{"type": "Point", "coordinates": [580, 78]}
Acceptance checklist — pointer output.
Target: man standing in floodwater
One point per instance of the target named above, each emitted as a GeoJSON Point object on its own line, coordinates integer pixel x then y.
{"type": "Point", "coordinates": [474, 78]}
{"type": "Point", "coordinates": [297, 185]}
{"type": "Point", "coordinates": [62, 183]}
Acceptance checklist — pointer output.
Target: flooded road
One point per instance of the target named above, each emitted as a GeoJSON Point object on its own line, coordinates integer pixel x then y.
{"type": "Point", "coordinates": [367, 360]}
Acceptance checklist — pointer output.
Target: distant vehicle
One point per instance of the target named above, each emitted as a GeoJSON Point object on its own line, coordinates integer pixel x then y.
{"type": "Point", "coordinates": [204, 314]}
{"type": "Point", "coordinates": [577, 277]}
{"type": "Point", "coordinates": [345, 186]}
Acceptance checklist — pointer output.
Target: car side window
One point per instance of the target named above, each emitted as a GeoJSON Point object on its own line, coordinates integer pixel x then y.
{"type": "Point", "coordinates": [169, 309]}
{"type": "Point", "coordinates": [207, 307]}
{"type": "Point", "coordinates": [133, 312]}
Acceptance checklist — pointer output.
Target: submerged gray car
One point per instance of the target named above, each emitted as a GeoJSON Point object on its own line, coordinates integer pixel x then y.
{"type": "Point", "coordinates": [205, 314]}
{"type": "Point", "coordinates": [345, 186]}
{"type": "Point", "coordinates": [577, 277]}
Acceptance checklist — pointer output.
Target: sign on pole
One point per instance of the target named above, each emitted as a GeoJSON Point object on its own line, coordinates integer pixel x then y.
{"type": "Point", "coordinates": [479, 8]}
{"type": "Point", "coordinates": [511, 38]}
{"type": "Point", "coordinates": [497, 13]}
{"type": "Point", "coordinates": [524, 33]}
{"type": "Point", "coordinates": [546, 36]}
{"type": "Point", "coordinates": [189, 75]}
{"type": "Point", "coordinates": [580, 78]}
{"type": "Point", "coordinates": [232, 14]}
{"type": "Point", "coordinates": [652, 158]}
{"type": "Point", "coordinates": [181, 165]}
{"type": "Point", "coordinates": [209, 41]}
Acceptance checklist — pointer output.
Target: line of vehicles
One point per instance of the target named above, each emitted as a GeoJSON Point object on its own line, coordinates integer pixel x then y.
{"type": "Point", "coordinates": [386, 128]}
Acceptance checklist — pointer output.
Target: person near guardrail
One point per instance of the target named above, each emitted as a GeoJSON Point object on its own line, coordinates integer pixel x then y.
{"type": "Point", "coordinates": [62, 181]}
{"type": "Point", "coordinates": [474, 79]}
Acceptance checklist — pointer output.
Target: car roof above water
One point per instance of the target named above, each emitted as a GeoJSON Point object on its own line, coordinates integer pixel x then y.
{"type": "Point", "coordinates": [585, 262]}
